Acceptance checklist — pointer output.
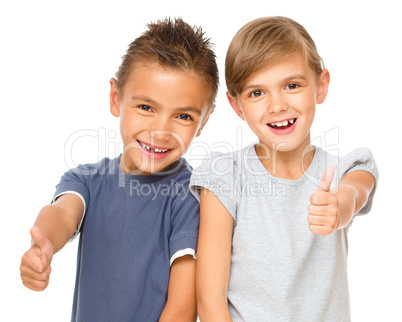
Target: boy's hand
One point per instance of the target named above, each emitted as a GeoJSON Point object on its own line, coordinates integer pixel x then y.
{"type": "Point", "coordinates": [323, 210]}
{"type": "Point", "coordinates": [35, 264]}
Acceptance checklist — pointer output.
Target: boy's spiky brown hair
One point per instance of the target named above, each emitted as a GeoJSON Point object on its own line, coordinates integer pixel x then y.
{"type": "Point", "coordinates": [172, 43]}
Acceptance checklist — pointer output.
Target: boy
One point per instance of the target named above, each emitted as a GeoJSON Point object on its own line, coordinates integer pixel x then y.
{"type": "Point", "coordinates": [262, 254]}
{"type": "Point", "coordinates": [137, 219]}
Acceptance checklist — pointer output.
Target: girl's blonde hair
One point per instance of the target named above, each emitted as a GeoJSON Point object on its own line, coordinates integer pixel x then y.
{"type": "Point", "coordinates": [263, 41]}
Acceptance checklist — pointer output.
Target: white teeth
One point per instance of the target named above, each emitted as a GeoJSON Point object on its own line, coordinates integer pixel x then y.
{"type": "Point", "coordinates": [144, 146]}
{"type": "Point", "coordinates": [149, 148]}
{"type": "Point", "coordinates": [161, 151]}
{"type": "Point", "coordinates": [284, 123]}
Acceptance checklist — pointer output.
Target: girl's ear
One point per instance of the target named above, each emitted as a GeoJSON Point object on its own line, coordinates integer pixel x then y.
{"type": "Point", "coordinates": [323, 84]}
{"type": "Point", "coordinates": [235, 105]}
{"type": "Point", "coordinates": [114, 98]}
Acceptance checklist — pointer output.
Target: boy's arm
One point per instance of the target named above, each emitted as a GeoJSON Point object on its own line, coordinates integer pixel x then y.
{"type": "Point", "coordinates": [53, 228]}
{"type": "Point", "coordinates": [181, 302]}
{"type": "Point", "coordinates": [213, 258]}
{"type": "Point", "coordinates": [332, 210]}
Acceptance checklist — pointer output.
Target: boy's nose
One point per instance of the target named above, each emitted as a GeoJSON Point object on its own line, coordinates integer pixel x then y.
{"type": "Point", "coordinates": [161, 135]}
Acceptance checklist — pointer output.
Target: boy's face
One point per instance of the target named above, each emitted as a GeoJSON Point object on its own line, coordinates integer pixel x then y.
{"type": "Point", "coordinates": [278, 102]}
{"type": "Point", "coordinates": [161, 111]}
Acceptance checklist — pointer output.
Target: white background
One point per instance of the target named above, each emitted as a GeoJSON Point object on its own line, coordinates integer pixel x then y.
{"type": "Point", "coordinates": [56, 61]}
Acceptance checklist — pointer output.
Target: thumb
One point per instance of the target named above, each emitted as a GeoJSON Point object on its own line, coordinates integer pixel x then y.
{"type": "Point", "coordinates": [326, 179]}
{"type": "Point", "coordinates": [37, 237]}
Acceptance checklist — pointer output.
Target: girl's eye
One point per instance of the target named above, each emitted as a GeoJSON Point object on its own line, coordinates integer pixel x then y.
{"type": "Point", "coordinates": [145, 108]}
{"type": "Point", "coordinates": [256, 93]}
{"type": "Point", "coordinates": [292, 86]}
{"type": "Point", "coordinates": [185, 117]}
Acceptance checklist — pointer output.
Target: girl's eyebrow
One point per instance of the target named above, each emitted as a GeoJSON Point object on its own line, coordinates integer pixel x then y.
{"type": "Point", "coordinates": [285, 80]}
{"type": "Point", "coordinates": [251, 86]}
{"type": "Point", "coordinates": [296, 76]}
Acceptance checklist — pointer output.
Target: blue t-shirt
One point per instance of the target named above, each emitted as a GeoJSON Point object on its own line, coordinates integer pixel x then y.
{"type": "Point", "coordinates": [134, 226]}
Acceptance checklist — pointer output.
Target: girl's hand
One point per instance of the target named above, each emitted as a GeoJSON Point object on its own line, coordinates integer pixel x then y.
{"type": "Point", "coordinates": [323, 210]}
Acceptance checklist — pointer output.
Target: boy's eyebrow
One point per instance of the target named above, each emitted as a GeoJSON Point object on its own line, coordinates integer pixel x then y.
{"type": "Point", "coordinates": [189, 109]}
{"type": "Point", "coordinates": [154, 103]}
{"type": "Point", "coordinates": [145, 99]}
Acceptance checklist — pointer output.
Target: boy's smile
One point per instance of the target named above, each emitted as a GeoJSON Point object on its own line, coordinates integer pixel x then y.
{"type": "Point", "coordinates": [161, 110]}
{"type": "Point", "coordinates": [278, 102]}
{"type": "Point", "coordinates": [154, 152]}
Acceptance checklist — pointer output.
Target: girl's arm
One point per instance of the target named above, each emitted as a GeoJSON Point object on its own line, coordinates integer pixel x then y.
{"type": "Point", "coordinates": [213, 258]}
{"type": "Point", "coordinates": [353, 192]}
{"type": "Point", "coordinates": [181, 302]}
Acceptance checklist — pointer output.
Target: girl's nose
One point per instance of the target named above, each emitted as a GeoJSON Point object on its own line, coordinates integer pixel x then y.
{"type": "Point", "coordinates": [277, 104]}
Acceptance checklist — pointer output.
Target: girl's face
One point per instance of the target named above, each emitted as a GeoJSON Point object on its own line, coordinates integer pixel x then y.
{"type": "Point", "coordinates": [278, 102]}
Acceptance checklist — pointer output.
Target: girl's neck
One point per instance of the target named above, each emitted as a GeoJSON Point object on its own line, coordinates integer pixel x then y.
{"type": "Point", "coordinates": [289, 165]}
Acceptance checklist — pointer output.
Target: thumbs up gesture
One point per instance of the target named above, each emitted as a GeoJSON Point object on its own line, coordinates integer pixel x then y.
{"type": "Point", "coordinates": [323, 210]}
{"type": "Point", "coordinates": [35, 264]}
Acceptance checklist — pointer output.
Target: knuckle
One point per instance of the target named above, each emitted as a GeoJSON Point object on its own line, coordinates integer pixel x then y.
{"type": "Point", "coordinates": [333, 199]}
{"type": "Point", "coordinates": [25, 258]}
{"type": "Point", "coordinates": [40, 285]}
{"type": "Point", "coordinates": [313, 197]}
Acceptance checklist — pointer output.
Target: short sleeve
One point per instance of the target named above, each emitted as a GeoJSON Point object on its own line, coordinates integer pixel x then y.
{"type": "Point", "coordinates": [185, 219]}
{"type": "Point", "coordinates": [74, 181]}
{"type": "Point", "coordinates": [360, 159]}
{"type": "Point", "coordinates": [217, 173]}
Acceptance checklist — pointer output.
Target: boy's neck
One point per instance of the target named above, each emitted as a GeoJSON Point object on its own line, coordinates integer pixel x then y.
{"type": "Point", "coordinates": [290, 165]}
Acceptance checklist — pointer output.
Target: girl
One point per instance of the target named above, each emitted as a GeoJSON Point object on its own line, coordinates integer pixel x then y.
{"type": "Point", "coordinates": [262, 254]}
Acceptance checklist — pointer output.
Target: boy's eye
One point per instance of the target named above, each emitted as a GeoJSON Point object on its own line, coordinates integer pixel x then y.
{"type": "Point", "coordinates": [145, 108]}
{"type": "Point", "coordinates": [185, 117]}
{"type": "Point", "coordinates": [292, 86]}
{"type": "Point", "coordinates": [256, 93]}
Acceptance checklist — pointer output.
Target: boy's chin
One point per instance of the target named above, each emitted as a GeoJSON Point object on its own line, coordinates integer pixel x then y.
{"type": "Point", "coordinates": [155, 168]}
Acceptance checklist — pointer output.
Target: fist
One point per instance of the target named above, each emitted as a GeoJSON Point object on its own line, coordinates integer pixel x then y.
{"type": "Point", "coordinates": [324, 207]}
{"type": "Point", "coordinates": [35, 263]}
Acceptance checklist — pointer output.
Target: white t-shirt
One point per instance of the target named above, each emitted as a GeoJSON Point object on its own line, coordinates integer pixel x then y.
{"type": "Point", "coordinates": [280, 270]}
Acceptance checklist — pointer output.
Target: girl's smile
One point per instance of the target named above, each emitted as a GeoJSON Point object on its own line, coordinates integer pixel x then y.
{"type": "Point", "coordinates": [278, 102]}
{"type": "Point", "coordinates": [283, 127]}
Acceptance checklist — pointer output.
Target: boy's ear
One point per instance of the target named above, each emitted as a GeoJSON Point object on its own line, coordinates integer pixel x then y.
{"type": "Point", "coordinates": [235, 105]}
{"type": "Point", "coordinates": [204, 122]}
{"type": "Point", "coordinates": [114, 98]}
{"type": "Point", "coordinates": [323, 84]}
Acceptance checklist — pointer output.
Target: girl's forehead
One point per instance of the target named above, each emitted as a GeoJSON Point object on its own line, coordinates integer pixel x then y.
{"type": "Point", "coordinates": [282, 68]}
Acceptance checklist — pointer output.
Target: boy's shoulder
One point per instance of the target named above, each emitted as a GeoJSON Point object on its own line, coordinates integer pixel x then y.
{"type": "Point", "coordinates": [104, 166]}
